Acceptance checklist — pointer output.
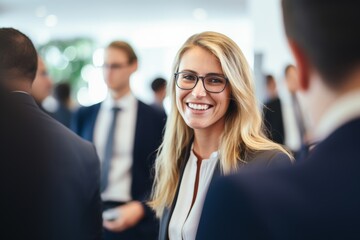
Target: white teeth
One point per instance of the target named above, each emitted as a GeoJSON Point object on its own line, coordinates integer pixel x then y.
{"type": "Point", "coordinates": [198, 106]}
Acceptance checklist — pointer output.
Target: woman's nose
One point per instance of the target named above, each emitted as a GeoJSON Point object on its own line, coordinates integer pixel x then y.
{"type": "Point", "coordinates": [199, 90]}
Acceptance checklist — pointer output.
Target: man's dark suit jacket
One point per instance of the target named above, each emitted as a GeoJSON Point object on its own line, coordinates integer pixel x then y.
{"type": "Point", "coordinates": [318, 198]}
{"type": "Point", "coordinates": [49, 176]}
{"type": "Point", "coordinates": [261, 159]}
{"type": "Point", "coordinates": [148, 136]}
{"type": "Point", "coordinates": [273, 120]}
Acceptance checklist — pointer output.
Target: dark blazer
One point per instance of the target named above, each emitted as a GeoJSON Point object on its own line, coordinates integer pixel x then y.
{"type": "Point", "coordinates": [63, 114]}
{"type": "Point", "coordinates": [50, 177]}
{"type": "Point", "coordinates": [148, 136]}
{"type": "Point", "coordinates": [273, 120]}
{"type": "Point", "coordinates": [317, 198]}
{"type": "Point", "coordinates": [259, 159]}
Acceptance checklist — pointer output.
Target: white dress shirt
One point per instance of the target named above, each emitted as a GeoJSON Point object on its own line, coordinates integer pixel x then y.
{"type": "Point", "coordinates": [292, 136]}
{"type": "Point", "coordinates": [119, 185]}
{"type": "Point", "coordinates": [342, 111]}
{"type": "Point", "coordinates": [184, 221]}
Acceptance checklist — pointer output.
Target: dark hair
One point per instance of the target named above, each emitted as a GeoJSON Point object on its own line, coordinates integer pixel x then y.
{"type": "Point", "coordinates": [326, 30]}
{"type": "Point", "coordinates": [18, 55]}
{"type": "Point", "coordinates": [124, 46]}
{"type": "Point", "coordinates": [158, 84]}
{"type": "Point", "coordinates": [269, 78]}
{"type": "Point", "coordinates": [62, 92]}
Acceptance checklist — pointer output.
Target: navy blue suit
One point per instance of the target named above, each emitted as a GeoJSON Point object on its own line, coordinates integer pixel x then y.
{"type": "Point", "coordinates": [148, 137]}
{"type": "Point", "coordinates": [50, 177]}
{"type": "Point", "coordinates": [273, 120]}
{"type": "Point", "coordinates": [318, 198]}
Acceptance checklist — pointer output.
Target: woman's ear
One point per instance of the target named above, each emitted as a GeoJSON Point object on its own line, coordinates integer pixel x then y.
{"type": "Point", "coordinates": [303, 66]}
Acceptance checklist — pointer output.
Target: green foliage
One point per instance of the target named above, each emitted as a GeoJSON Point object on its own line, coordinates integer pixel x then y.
{"type": "Point", "coordinates": [66, 58]}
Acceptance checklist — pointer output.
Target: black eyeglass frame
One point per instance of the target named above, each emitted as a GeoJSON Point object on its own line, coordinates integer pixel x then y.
{"type": "Point", "coordinates": [197, 80]}
{"type": "Point", "coordinates": [114, 66]}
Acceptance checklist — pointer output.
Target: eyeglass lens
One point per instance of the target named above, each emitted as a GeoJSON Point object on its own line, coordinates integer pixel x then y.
{"type": "Point", "coordinates": [212, 83]}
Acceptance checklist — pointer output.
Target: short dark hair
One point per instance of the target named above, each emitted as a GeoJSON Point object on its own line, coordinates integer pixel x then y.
{"type": "Point", "coordinates": [269, 78]}
{"type": "Point", "coordinates": [62, 91]}
{"type": "Point", "coordinates": [326, 30]}
{"type": "Point", "coordinates": [126, 47]}
{"type": "Point", "coordinates": [158, 83]}
{"type": "Point", "coordinates": [17, 54]}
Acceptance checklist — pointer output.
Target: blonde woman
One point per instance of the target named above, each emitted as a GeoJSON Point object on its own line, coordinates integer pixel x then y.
{"type": "Point", "coordinates": [214, 128]}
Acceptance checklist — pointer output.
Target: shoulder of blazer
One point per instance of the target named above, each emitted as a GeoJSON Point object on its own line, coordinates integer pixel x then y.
{"type": "Point", "coordinates": [144, 108]}
{"type": "Point", "coordinates": [83, 117]}
{"type": "Point", "coordinates": [86, 111]}
{"type": "Point", "coordinates": [267, 158]}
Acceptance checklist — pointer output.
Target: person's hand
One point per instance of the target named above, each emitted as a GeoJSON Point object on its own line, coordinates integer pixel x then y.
{"type": "Point", "coordinates": [129, 215]}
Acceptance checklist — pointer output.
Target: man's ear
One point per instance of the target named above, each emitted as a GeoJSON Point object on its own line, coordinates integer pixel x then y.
{"type": "Point", "coordinates": [134, 66]}
{"type": "Point", "coordinates": [302, 65]}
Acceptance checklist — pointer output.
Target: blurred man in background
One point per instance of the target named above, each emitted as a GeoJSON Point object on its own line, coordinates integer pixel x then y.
{"type": "Point", "coordinates": [158, 86]}
{"type": "Point", "coordinates": [297, 124]}
{"type": "Point", "coordinates": [126, 133]}
{"type": "Point", "coordinates": [63, 111]}
{"type": "Point", "coordinates": [273, 118]}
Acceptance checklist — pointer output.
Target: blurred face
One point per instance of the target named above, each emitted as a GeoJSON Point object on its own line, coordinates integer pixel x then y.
{"type": "Point", "coordinates": [42, 85]}
{"type": "Point", "coordinates": [292, 80]}
{"type": "Point", "coordinates": [117, 70]}
{"type": "Point", "coordinates": [200, 109]}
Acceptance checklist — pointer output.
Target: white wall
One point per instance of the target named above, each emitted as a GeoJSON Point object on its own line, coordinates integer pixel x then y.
{"type": "Point", "coordinates": [269, 39]}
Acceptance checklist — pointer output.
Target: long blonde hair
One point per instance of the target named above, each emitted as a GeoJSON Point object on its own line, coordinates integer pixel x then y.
{"type": "Point", "coordinates": [243, 131]}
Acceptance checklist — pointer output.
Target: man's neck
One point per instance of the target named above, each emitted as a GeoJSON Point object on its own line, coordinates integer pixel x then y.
{"type": "Point", "coordinates": [325, 97]}
{"type": "Point", "coordinates": [18, 84]}
{"type": "Point", "coordinates": [116, 95]}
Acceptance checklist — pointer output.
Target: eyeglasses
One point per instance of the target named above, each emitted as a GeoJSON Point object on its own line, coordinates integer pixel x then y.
{"type": "Point", "coordinates": [212, 83]}
{"type": "Point", "coordinates": [114, 66]}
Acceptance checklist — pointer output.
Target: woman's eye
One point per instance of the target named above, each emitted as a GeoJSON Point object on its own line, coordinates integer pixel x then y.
{"type": "Point", "coordinates": [189, 77]}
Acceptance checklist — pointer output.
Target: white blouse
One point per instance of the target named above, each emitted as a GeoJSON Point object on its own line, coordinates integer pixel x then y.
{"type": "Point", "coordinates": [184, 221]}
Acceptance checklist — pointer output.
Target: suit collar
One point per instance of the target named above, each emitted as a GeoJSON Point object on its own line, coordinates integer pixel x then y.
{"type": "Point", "coordinates": [23, 97]}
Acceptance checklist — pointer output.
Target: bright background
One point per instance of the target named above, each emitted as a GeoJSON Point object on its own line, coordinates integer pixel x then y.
{"type": "Point", "coordinates": [71, 35]}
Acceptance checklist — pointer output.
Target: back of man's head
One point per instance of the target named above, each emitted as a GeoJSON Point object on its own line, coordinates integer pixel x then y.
{"type": "Point", "coordinates": [18, 57]}
{"type": "Point", "coordinates": [326, 30]}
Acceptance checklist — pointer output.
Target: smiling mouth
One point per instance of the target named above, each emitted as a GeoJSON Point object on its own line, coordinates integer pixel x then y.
{"type": "Point", "coordinates": [201, 107]}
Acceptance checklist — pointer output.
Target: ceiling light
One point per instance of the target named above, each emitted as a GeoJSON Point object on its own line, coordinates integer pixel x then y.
{"type": "Point", "coordinates": [51, 20]}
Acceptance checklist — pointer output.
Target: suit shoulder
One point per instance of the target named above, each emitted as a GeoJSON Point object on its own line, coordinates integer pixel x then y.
{"type": "Point", "coordinates": [150, 111]}
{"type": "Point", "coordinates": [88, 109]}
{"type": "Point", "coordinates": [273, 157]}
{"type": "Point", "coordinates": [272, 102]}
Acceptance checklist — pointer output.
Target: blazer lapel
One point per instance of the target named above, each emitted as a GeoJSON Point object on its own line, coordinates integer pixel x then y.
{"type": "Point", "coordinates": [89, 130]}
{"type": "Point", "coordinates": [165, 219]}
